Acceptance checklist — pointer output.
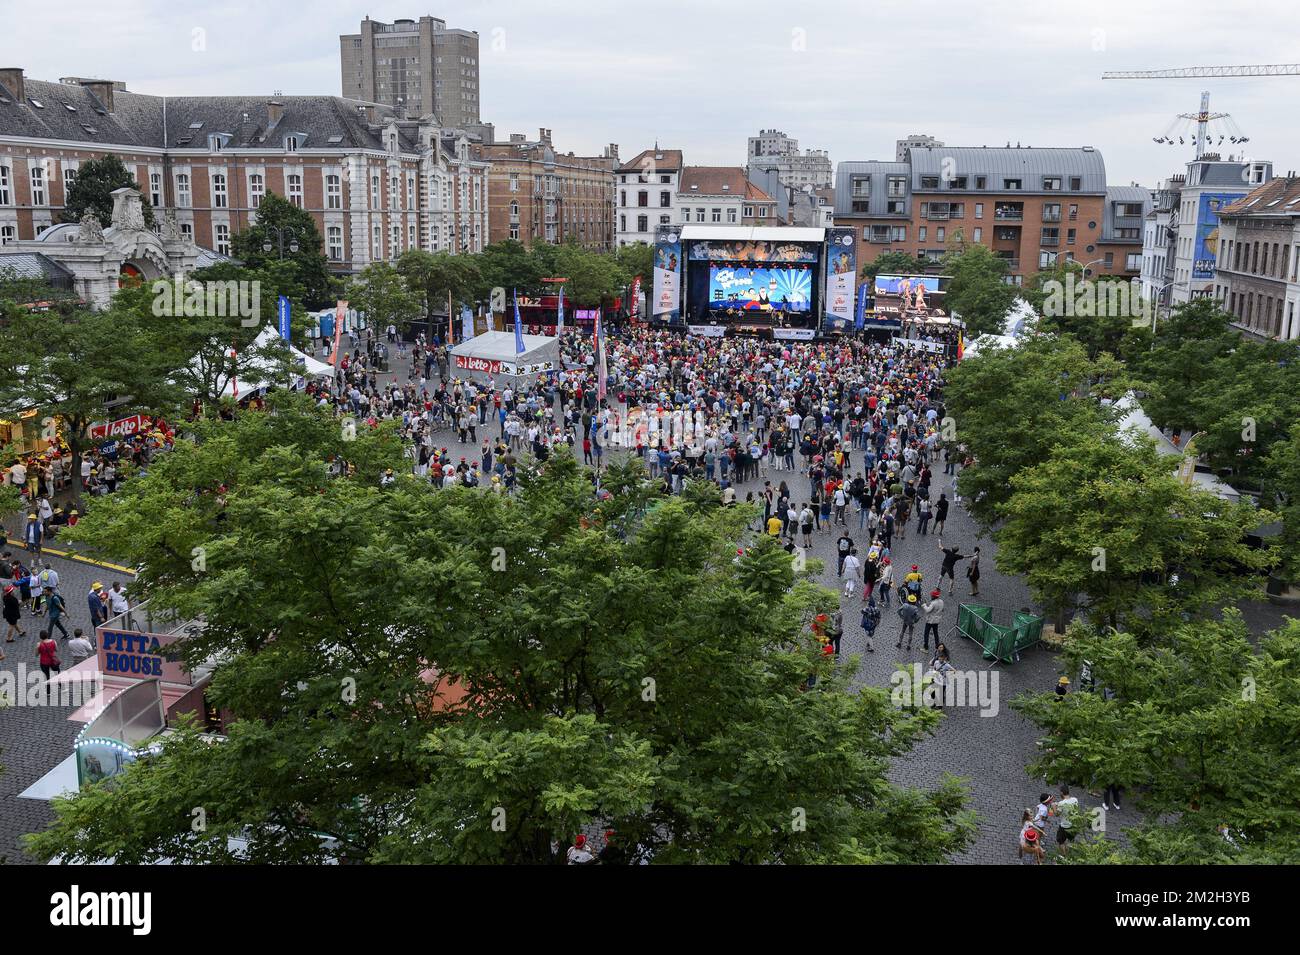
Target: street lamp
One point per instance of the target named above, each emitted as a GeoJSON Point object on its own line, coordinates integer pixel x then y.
{"type": "Point", "coordinates": [280, 233]}
{"type": "Point", "coordinates": [1056, 255]}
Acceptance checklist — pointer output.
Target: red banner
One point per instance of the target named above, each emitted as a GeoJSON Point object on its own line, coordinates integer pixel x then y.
{"type": "Point", "coordinates": [122, 428]}
{"type": "Point", "coordinates": [486, 365]}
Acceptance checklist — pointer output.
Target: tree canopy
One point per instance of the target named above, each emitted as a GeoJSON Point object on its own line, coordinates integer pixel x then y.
{"type": "Point", "coordinates": [92, 191]}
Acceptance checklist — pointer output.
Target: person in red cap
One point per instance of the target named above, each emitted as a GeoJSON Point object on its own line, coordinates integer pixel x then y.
{"type": "Point", "coordinates": [933, 614]}
{"type": "Point", "coordinates": [1031, 842]}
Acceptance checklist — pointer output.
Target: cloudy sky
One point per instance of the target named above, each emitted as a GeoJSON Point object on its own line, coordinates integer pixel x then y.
{"type": "Point", "coordinates": [849, 76]}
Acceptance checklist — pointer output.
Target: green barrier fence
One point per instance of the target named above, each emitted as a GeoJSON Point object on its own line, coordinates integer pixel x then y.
{"type": "Point", "coordinates": [1000, 642]}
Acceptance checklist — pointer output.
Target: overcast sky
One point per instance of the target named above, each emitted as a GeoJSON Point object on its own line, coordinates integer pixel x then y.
{"type": "Point", "coordinates": [848, 76]}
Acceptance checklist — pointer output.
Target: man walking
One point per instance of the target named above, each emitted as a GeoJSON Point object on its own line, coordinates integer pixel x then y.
{"type": "Point", "coordinates": [950, 557]}
{"type": "Point", "coordinates": [933, 614]}
{"type": "Point", "coordinates": [909, 612]}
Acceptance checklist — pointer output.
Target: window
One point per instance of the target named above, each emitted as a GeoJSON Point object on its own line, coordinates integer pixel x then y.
{"type": "Point", "coordinates": [897, 233]}
{"type": "Point", "coordinates": [1051, 212]}
{"type": "Point", "coordinates": [920, 233]}
{"type": "Point", "coordinates": [929, 182]}
{"type": "Point", "coordinates": [699, 215]}
{"type": "Point", "coordinates": [861, 187]}
{"type": "Point", "coordinates": [686, 215]}
{"type": "Point", "coordinates": [957, 182]}
{"type": "Point", "coordinates": [1074, 211]}
{"type": "Point", "coordinates": [715, 215]}
{"type": "Point", "coordinates": [1133, 262]}
{"type": "Point", "coordinates": [295, 188]}
{"type": "Point", "coordinates": [377, 240]}
{"type": "Point", "coordinates": [514, 209]}
{"type": "Point", "coordinates": [334, 243]}
{"type": "Point", "coordinates": [7, 232]}
{"type": "Point", "coordinates": [291, 144]}
{"type": "Point", "coordinates": [643, 198]}
{"type": "Point", "coordinates": [979, 210]}
{"type": "Point", "coordinates": [1110, 260]}
{"type": "Point", "coordinates": [665, 178]}
{"type": "Point", "coordinates": [394, 193]}
{"type": "Point", "coordinates": [749, 212]}
{"type": "Point", "coordinates": [219, 190]}
{"type": "Point", "coordinates": [978, 234]}
{"type": "Point", "coordinates": [514, 182]}
{"type": "Point", "coordinates": [394, 241]}
{"type": "Point", "coordinates": [1050, 237]}
{"type": "Point", "coordinates": [514, 232]}
{"type": "Point", "coordinates": [981, 182]}
{"type": "Point", "coordinates": [374, 194]}
{"type": "Point", "coordinates": [215, 142]}
{"type": "Point", "coordinates": [1070, 235]}
{"type": "Point", "coordinates": [183, 190]}
{"type": "Point", "coordinates": [1051, 184]}
{"type": "Point", "coordinates": [5, 194]}
{"type": "Point", "coordinates": [665, 199]}
{"type": "Point", "coordinates": [38, 185]}
{"type": "Point", "coordinates": [642, 223]}
{"type": "Point", "coordinates": [731, 215]}
{"type": "Point", "coordinates": [1011, 184]}
{"type": "Point", "coordinates": [938, 234]}
{"type": "Point", "coordinates": [896, 207]}
{"type": "Point", "coordinates": [155, 186]}
{"type": "Point", "coordinates": [762, 212]}
{"type": "Point", "coordinates": [410, 192]}
{"type": "Point", "coordinates": [221, 234]}
{"type": "Point", "coordinates": [187, 231]}
{"type": "Point", "coordinates": [896, 187]}
{"type": "Point", "coordinates": [1076, 183]}
{"type": "Point", "coordinates": [664, 220]}
{"type": "Point", "coordinates": [622, 223]}
{"type": "Point", "coordinates": [333, 192]}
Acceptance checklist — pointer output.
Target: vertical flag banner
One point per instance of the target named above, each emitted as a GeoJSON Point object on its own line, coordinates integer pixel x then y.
{"type": "Point", "coordinates": [602, 372]}
{"type": "Point", "coordinates": [667, 305]}
{"type": "Point", "coordinates": [340, 313]}
{"type": "Point", "coordinates": [451, 322]}
{"type": "Point", "coordinates": [860, 318]}
{"type": "Point", "coordinates": [841, 274]}
{"type": "Point", "coordinates": [283, 312]}
{"type": "Point", "coordinates": [559, 323]}
{"type": "Point", "coordinates": [519, 327]}
{"type": "Point", "coordinates": [634, 307]}
{"type": "Point", "coordinates": [466, 323]}
{"type": "Point", "coordinates": [961, 346]}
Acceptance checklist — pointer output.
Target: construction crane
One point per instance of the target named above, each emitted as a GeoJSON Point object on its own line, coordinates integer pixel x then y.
{"type": "Point", "coordinates": [1203, 117]}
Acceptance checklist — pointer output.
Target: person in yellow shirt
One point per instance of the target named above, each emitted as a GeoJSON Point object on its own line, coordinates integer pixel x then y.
{"type": "Point", "coordinates": [774, 526]}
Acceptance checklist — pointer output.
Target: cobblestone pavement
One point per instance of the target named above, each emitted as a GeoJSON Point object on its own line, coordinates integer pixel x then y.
{"type": "Point", "coordinates": [988, 752]}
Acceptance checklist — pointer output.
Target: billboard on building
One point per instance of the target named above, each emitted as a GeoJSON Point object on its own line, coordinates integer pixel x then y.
{"type": "Point", "coordinates": [1206, 253]}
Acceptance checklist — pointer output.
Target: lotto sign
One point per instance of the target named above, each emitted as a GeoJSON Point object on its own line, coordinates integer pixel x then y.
{"type": "Point", "coordinates": [486, 365]}
{"type": "Point", "coordinates": [122, 428]}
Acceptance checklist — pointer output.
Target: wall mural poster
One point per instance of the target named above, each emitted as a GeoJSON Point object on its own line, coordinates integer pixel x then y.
{"type": "Point", "coordinates": [667, 305]}
{"type": "Point", "coordinates": [841, 278]}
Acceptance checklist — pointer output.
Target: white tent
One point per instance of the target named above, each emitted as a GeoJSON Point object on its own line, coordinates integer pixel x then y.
{"type": "Point", "coordinates": [259, 374]}
{"type": "Point", "coordinates": [1133, 420]}
{"type": "Point", "coordinates": [494, 354]}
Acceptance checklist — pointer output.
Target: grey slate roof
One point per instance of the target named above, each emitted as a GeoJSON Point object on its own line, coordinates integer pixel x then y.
{"type": "Point", "coordinates": [1110, 222]}
{"type": "Point", "coordinates": [137, 119]}
{"type": "Point", "coordinates": [998, 163]}
{"type": "Point", "coordinates": [33, 265]}
{"type": "Point", "coordinates": [879, 173]}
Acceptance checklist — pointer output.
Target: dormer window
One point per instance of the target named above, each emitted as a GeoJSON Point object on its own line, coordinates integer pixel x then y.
{"type": "Point", "coordinates": [291, 144]}
{"type": "Point", "coordinates": [392, 142]}
{"type": "Point", "coordinates": [218, 141]}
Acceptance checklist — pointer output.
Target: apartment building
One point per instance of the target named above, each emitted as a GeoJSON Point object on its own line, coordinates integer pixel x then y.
{"type": "Point", "coordinates": [1028, 205]}
{"type": "Point", "coordinates": [1257, 275]}
{"type": "Point", "coordinates": [537, 194]}
{"type": "Point", "coordinates": [376, 182]}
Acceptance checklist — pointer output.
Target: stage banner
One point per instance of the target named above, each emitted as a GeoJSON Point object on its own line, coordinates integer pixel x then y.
{"type": "Point", "coordinates": [707, 331]}
{"type": "Point", "coordinates": [861, 315]}
{"type": "Point", "coordinates": [667, 305]}
{"type": "Point", "coordinates": [841, 275]}
{"type": "Point", "coordinates": [634, 311]}
{"type": "Point", "coordinates": [794, 334]}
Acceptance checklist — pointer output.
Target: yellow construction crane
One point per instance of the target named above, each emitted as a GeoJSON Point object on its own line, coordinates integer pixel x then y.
{"type": "Point", "coordinates": [1203, 117]}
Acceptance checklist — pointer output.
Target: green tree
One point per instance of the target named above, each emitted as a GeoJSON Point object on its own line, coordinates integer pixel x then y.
{"type": "Point", "coordinates": [508, 265]}
{"type": "Point", "coordinates": [635, 259]}
{"type": "Point", "coordinates": [382, 294]}
{"type": "Point", "coordinates": [591, 276]}
{"type": "Point", "coordinates": [978, 292]}
{"type": "Point", "coordinates": [1199, 727]}
{"type": "Point", "coordinates": [1096, 312]}
{"type": "Point", "coordinates": [435, 275]}
{"type": "Point", "coordinates": [260, 245]}
{"type": "Point", "coordinates": [1012, 406]}
{"type": "Point", "coordinates": [1106, 526]}
{"type": "Point", "coordinates": [1282, 490]}
{"type": "Point", "coordinates": [1182, 361]}
{"type": "Point", "coordinates": [92, 191]}
{"type": "Point", "coordinates": [536, 671]}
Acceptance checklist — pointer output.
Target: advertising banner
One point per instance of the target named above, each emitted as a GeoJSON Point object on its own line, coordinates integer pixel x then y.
{"type": "Point", "coordinates": [768, 289]}
{"type": "Point", "coordinates": [753, 252]}
{"type": "Point", "coordinates": [707, 331]}
{"type": "Point", "coordinates": [841, 278]}
{"type": "Point", "coordinates": [486, 365]}
{"type": "Point", "coordinates": [905, 285]}
{"type": "Point", "coordinates": [139, 656]}
{"type": "Point", "coordinates": [794, 334]}
{"type": "Point", "coordinates": [1207, 232]}
{"type": "Point", "coordinates": [121, 428]}
{"type": "Point", "coordinates": [861, 314]}
{"type": "Point", "coordinates": [667, 305]}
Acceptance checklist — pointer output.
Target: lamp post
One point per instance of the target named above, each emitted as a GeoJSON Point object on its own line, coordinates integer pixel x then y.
{"type": "Point", "coordinates": [280, 233]}
{"type": "Point", "coordinates": [1155, 295]}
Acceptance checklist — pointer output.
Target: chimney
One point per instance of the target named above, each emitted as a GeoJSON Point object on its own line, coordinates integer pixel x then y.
{"type": "Point", "coordinates": [12, 79]}
{"type": "Point", "coordinates": [102, 91]}
{"type": "Point", "coordinates": [274, 113]}
{"type": "Point", "coordinates": [544, 136]}
{"type": "Point", "coordinates": [367, 111]}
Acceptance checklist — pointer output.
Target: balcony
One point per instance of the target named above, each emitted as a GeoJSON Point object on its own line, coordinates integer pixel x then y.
{"type": "Point", "coordinates": [1050, 240]}
{"type": "Point", "coordinates": [1051, 216]}
{"type": "Point", "coordinates": [1009, 213]}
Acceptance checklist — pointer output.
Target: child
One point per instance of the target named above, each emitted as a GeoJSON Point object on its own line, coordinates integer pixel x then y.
{"type": "Point", "coordinates": [870, 620]}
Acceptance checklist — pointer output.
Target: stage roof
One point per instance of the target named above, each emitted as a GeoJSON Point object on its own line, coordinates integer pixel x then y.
{"type": "Point", "coordinates": [759, 233]}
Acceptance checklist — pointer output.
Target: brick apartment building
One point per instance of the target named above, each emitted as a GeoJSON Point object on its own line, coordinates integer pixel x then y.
{"type": "Point", "coordinates": [376, 182]}
{"type": "Point", "coordinates": [536, 194]}
{"type": "Point", "coordinates": [1027, 205]}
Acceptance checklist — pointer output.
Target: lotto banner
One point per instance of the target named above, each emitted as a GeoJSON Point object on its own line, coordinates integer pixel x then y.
{"type": "Point", "coordinates": [841, 278]}
{"type": "Point", "coordinates": [667, 305]}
